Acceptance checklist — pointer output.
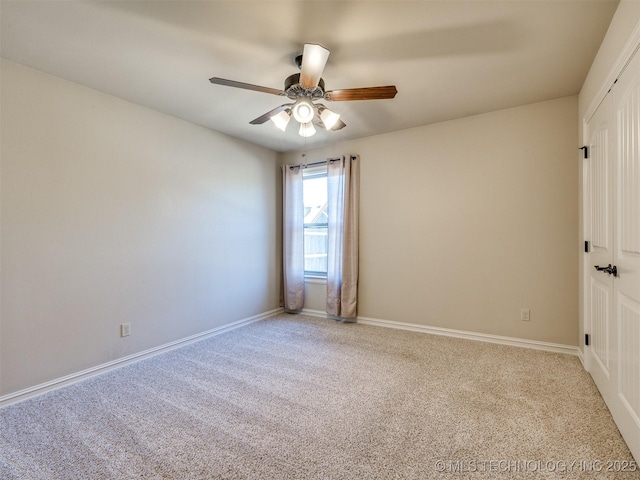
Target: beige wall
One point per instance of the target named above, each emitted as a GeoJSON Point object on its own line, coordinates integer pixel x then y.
{"type": "Point", "coordinates": [624, 24]}
{"type": "Point", "coordinates": [111, 213]}
{"type": "Point", "coordinates": [465, 222]}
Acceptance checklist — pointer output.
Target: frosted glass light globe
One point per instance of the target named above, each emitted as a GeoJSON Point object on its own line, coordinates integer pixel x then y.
{"type": "Point", "coordinates": [307, 130]}
{"type": "Point", "coordinates": [303, 111]}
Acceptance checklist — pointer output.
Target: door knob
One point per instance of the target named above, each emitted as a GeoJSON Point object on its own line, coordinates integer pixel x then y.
{"type": "Point", "coordinates": [611, 270]}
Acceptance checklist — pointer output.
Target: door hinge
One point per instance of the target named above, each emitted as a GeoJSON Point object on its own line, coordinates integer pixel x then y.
{"type": "Point", "coordinates": [587, 339]}
{"type": "Point", "coordinates": [585, 151]}
{"type": "Point", "coordinates": [586, 246]}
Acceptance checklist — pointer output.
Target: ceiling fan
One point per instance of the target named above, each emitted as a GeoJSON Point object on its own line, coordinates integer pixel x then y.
{"type": "Point", "coordinates": [304, 89]}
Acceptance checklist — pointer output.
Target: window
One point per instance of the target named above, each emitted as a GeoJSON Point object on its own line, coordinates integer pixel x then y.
{"type": "Point", "coordinates": [314, 188]}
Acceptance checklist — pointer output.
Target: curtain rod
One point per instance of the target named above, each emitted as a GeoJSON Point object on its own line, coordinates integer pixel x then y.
{"type": "Point", "coordinates": [329, 160]}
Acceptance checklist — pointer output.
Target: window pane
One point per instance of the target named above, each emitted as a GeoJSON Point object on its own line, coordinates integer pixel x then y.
{"type": "Point", "coordinates": [315, 221]}
{"type": "Point", "coordinates": [315, 249]}
{"type": "Point", "coordinates": [315, 199]}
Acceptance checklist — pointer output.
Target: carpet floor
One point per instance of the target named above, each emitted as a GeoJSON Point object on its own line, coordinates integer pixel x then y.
{"type": "Point", "coordinates": [295, 397]}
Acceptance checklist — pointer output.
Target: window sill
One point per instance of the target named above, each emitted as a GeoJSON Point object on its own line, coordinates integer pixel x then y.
{"type": "Point", "coordinates": [315, 280]}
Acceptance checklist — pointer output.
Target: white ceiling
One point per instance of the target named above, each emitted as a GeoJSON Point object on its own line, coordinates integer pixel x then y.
{"type": "Point", "coordinates": [448, 59]}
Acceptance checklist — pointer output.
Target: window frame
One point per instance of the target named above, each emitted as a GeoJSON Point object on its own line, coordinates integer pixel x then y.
{"type": "Point", "coordinates": [310, 173]}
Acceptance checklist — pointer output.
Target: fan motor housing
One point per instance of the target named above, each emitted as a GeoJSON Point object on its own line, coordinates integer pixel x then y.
{"type": "Point", "coordinates": [294, 90]}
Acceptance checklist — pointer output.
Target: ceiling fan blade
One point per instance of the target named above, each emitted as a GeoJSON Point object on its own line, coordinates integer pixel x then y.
{"type": "Point", "coordinates": [314, 58]}
{"type": "Point", "coordinates": [366, 93]}
{"type": "Point", "coordinates": [246, 86]}
{"type": "Point", "coordinates": [267, 116]}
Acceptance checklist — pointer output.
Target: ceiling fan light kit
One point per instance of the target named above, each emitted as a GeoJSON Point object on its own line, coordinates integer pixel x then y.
{"type": "Point", "coordinates": [303, 110]}
{"type": "Point", "coordinates": [281, 119]}
{"type": "Point", "coordinates": [307, 130]}
{"type": "Point", "coordinates": [304, 88]}
{"type": "Point", "coordinates": [329, 118]}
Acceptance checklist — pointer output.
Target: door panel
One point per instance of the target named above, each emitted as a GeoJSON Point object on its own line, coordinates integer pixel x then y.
{"type": "Point", "coordinates": [600, 176]}
{"type": "Point", "coordinates": [629, 170]}
{"type": "Point", "coordinates": [629, 388]}
{"type": "Point", "coordinates": [600, 306]}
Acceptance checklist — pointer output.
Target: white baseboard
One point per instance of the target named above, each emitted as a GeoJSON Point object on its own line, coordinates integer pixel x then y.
{"type": "Point", "coordinates": [105, 367]}
{"type": "Point", "coordinates": [318, 313]}
{"type": "Point", "coordinates": [580, 354]}
{"type": "Point", "coordinates": [314, 313]}
{"type": "Point", "coordinates": [136, 357]}
{"type": "Point", "coordinates": [482, 337]}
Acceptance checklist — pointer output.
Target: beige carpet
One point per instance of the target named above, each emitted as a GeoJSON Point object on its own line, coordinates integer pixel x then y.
{"type": "Point", "coordinates": [295, 397]}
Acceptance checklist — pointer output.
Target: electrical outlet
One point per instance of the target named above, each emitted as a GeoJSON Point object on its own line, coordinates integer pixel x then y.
{"type": "Point", "coordinates": [125, 329]}
{"type": "Point", "coordinates": [524, 315]}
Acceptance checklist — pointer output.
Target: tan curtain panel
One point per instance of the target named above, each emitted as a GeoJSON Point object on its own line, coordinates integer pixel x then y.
{"type": "Point", "coordinates": [292, 295]}
{"type": "Point", "coordinates": [343, 180]}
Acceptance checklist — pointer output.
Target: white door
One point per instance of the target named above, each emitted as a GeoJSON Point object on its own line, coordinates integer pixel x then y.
{"type": "Point", "coordinates": [626, 254]}
{"type": "Point", "coordinates": [613, 278]}
{"type": "Point", "coordinates": [599, 284]}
